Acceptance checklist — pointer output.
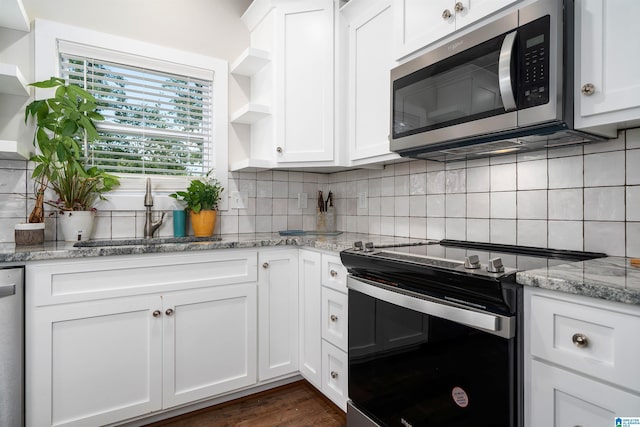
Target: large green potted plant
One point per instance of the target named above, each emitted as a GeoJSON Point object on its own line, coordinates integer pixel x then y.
{"type": "Point", "coordinates": [201, 201]}
{"type": "Point", "coordinates": [63, 123]}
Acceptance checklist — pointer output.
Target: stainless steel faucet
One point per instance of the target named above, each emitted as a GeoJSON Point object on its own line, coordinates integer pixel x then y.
{"type": "Point", "coordinates": [150, 226]}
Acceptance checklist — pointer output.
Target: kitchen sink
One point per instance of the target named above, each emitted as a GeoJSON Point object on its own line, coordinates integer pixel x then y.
{"type": "Point", "coordinates": [143, 242]}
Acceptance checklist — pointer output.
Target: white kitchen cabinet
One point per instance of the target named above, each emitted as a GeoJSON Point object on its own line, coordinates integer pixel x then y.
{"type": "Point", "coordinates": [607, 84]}
{"type": "Point", "coordinates": [334, 317]}
{"type": "Point", "coordinates": [418, 23]}
{"type": "Point", "coordinates": [370, 45]}
{"type": "Point", "coordinates": [277, 312]}
{"type": "Point", "coordinates": [334, 374]}
{"type": "Point", "coordinates": [580, 365]}
{"type": "Point", "coordinates": [116, 338]}
{"type": "Point", "coordinates": [304, 82]}
{"type": "Point", "coordinates": [310, 293]}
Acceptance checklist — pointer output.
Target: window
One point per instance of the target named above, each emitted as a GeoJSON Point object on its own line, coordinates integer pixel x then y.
{"type": "Point", "coordinates": [155, 122]}
{"type": "Point", "coordinates": [112, 55]}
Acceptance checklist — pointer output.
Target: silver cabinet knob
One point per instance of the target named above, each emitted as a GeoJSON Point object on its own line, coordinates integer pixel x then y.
{"type": "Point", "coordinates": [169, 312]}
{"type": "Point", "coordinates": [580, 340]}
{"type": "Point", "coordinates": [157, 313]}
{"type": "Point", "coordinates": [446, 14]}
{"type": "Point", "coordinates": [588, 89]}
{"type": "Point", "coordinates": [334, 374]}
{"type": "Point", "coordinates": [265, 265]}
{"type": "Point", "coordinates": [334, 318]}
{"type": "Point", "coordinates": [333, 273]}
{"type": "Point", "coordinates": [459, 7]}
{"type": "Point", "coordinates": [279, 150]}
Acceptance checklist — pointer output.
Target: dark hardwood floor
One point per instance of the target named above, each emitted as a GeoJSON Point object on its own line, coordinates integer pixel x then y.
{"type": "Point", "coordinates": [296, 404]}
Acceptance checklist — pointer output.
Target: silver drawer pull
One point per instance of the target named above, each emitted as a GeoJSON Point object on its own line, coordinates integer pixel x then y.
{"type": "Point", "coordinates": [333, 273]}
{"type": "Point", "coordinates": [580, 340]}
{"type": "Point", "coordinates": [334, 318]}
{"type": "Point", "coordinates": [334, 374]}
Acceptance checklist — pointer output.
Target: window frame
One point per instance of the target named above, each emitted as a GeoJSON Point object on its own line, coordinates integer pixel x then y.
{"type": "Point", "coordinates": [128, 196]}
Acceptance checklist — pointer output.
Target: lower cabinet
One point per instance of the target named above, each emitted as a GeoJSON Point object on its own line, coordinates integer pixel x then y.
{"type": "Point", "coordinates": [580, 365]}
{"type": "Point", "coordinates": [116, 347]}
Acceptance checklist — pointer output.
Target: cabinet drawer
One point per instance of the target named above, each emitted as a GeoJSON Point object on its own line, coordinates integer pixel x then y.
{"type": "Point", "coordinates": [334, 318]}
{"type": "Point", "coordinates": [334, 275]}
{"type": "Point", "coordinates": [334, 374]}
{"type": "Point", "coordinates": [590, 338]}
{"type": "Point", "coordinates": [57, 282]}
{"type": "Point", "coordinates": [562, 398]}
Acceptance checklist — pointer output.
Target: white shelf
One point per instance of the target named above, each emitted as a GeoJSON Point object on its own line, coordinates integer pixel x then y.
{"type": "Point", "coordinates": [14, 16]}
{"type": "Point", "coordinates": [251, 165]}
{"type": "Point", "coordinates": [12, 81]}
{"type": "Point", "coordinates": [250, 62]}
{"type": "Point", "coordinates": [11, 150]}
{"type": "Point", "coordinates": [250, 113]}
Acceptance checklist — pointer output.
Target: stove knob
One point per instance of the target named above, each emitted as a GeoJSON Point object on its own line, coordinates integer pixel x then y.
{"type": "Point", "coordinates": [357, 246]}
{"type": "Point", "coordinates": [368, 247]}
{"type": "Point", "coordinates": [495, 265]}
{"type": "Point", "coordinates": [472, 261]}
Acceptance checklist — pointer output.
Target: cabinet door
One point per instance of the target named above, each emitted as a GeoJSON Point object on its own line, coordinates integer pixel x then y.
{"type": "Point", "coordinates": [334, 318]}
{"type": "Point", "coordinates": [334, 374]}
{"type": "Point", "coordinates": [278, 313]}
{"type": "Point", "coordinates": [94, 363]}
{"type": "Point", "coordinates": [310, 327]}
{"type": "Point", "coordinates": [304, 86]}
{"type": "Point", "coordinates": [370, 60]}
{"type": "Point", "coordinates": [209, 342]}
{"type": "Point", "coordinates": [562, 398]}
{"type": "Point", "coordinates": [418, 23]}
{"type": "Point", "coordinates": [608, 35]}
{"type": "Point", "coordinates": [467, 12]}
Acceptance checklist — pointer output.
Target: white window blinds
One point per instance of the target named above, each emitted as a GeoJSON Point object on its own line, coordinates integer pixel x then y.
{"type": "Point", "coordinates": [156, 122]}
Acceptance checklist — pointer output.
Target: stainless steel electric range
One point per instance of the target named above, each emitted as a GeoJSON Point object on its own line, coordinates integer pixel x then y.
{"type": "Point", "coordinates": [435, 332]}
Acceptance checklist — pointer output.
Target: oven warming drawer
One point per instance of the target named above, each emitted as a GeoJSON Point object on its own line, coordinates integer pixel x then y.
{"type": "Point", "coordinates": [492, 323]}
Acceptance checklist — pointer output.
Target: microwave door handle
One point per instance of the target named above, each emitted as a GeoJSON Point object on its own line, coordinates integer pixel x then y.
{"type": "Point", "coordinates": [504, 72]}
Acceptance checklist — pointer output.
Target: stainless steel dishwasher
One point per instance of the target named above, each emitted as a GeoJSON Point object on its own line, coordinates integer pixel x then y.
{"type": "Point", "coordinates": [12, 347]}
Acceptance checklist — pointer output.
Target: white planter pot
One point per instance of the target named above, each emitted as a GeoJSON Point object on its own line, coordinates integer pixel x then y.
{"type": "Point", "coordinates": [29, 234]}
{"type": "Point", "coordinates": [76, 225]}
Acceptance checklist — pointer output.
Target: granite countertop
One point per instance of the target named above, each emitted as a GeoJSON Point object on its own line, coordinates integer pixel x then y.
{"type": "Point", "coordinates": [611, 278]}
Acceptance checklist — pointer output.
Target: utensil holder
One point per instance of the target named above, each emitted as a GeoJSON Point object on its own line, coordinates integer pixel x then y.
{"type": "Point", "coordinates": [326, 221]}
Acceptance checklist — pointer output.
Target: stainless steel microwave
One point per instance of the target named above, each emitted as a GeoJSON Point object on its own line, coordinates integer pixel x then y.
{"type": "Point", "coordinates": [505, 87]}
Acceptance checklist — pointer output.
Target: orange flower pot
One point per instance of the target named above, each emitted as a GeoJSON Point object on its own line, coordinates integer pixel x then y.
{"type": "Point", "coordinates": [203, 223]}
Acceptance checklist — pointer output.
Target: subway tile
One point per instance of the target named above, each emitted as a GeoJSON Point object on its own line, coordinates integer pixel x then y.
{"type": "Point", "coordinates": [387, 225]}
{"type": "Point", "coordinates": [500, 160]}
{"type": "Point", "coordinates": [362, 186]}
{"type": "Point", "coordinates": [566, 204]}
{"type": "Point", "coordinates": [607, 237]}
{"type": "Point", "coordinates": [16, 164]}
{"type": "Point", "coordinates": [263, 224]}
{"type": "Point", "coordinates": [249, 186]}
{"type": "Point", "coordinates": [633, 240]}
{"type": "Point", "coordinates": [13, 181]}
{"type": "Point", "coordinates": [435, 205]}
{"type": "Point", "coordinates": [456, 228]}
{"type": "Point", "coordinates": [401, 226]}
{"type": "Point", "coordinates": [633, 167]}
{"type": "Point", "coordinates": [609, 145]}
{"type": "Point", "coordinates": [566, 235]}
{"type": "Point", "coordinates": [435, 228]}
{"type": "Point", "coordinates": [14, 206]}
{"type": "Point", "coordinates": [374, 225]}
{"type": "Point", "coordinates": [309, 222]}
{"type": "Point", "coordinates": [387, 170]}
{"type": "Point", "coordinates": [362, 224]}
{"type": "Point", "coordinates": [387, 186]}
{"type": "Point", "coordinates": [604, 169]}
{"type": "Point", "coordinates": [503, 177]}
{"type": "Point", "coordinates": [352, 222]}
{"type": "Point", "coordinates": [633, 138]}
{"type": "Point", "coordinates": [572, 150]}
{"type": "Point", "coordinates": [401, 185]}
{"type": "Point", "coordinates": [532, 233]}
{"type": "Point", "coordinates": [280, 206]}
{"type": "Point", "coordinates": [456, 181]}
{"type": "Point", "coordinates": [433, 166]}
{"type": "Point", "coordinates": [478, 205]}
{"type": "Point", "coordinates": [503, 205]}
{"type": "Point", "coordinates": [435, 182]}
{"type": "Point", "coordinates": [352, 206]}
{"type": "Point", "coordinates": [418, 206]}
{"type": "Point", "coordinates": [294, 222]}
{"type": "Point", "coordinates": [478, 179]}
{"type": "Point", "coordinates": [417, 166]}
{"type": "Point", "coordinates": [401, 206]}
{"type": "Point", "coordinates": [374, 205]}
{"type": "Point", "coordinates": [295, 188]}
{"type": "Point", "coordinates": [7, 233]}
{"type": "Point", "coordinates": [531, 155]}
{"type": "Point", "coordinates": [229, 225]}
{"type": "Point", "coordinates": [478, 230]}
{"type": "Point", "coordinates": [387, 207]}
{"type": "Point", "coordinates": [402, 168]}
{"type": "Point", "coordinates": [474, 163]}
{"type": "Point", "coordinates": [418, 183]}
{"type": "Point", "coordinates": [633, 203]}
{"type": "Point", "coordinates": [278, 222]}
{"type": "Point", "coordinates": [455, 165]}
{"type": "Point", "coordinates": [280, 189]}
{"type": "Point", "coordinates": [418, 228]}
{"type": "Point", "coordinates": [455, 205]}
{"type": "Point", "coordinates": [375, 187]}
{"type": "Point", "coordinates": [296, 176]}
{"type": "Point", "coordinates": [566, 172]}
{"type": "Point", "coordinates": [264, 206]}
{"type": "Point", "coordinates": [503, 231]}
{"type": "Point", "coordinates": [532, 204]}
{"type": "Point", "coordinates": [125, 226]}
{"type": "Point", "coordinates": [604, 204]}
{"type": "Point", "coordinates": [532, 175]}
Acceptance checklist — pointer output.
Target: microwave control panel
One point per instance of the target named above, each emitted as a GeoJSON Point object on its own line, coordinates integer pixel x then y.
{"type": "Point", "coordinates": [533, 78]}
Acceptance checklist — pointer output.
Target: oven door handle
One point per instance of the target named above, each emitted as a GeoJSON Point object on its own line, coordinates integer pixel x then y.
{"type": "Point", "coordinates": [504, 72]}
{"type": "Point", "coordinates": [495, 324]}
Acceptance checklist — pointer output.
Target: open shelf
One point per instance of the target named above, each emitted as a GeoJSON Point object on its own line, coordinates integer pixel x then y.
{"type": "Point", "coordinates": [250, 62]}
{"type": "Point", "coordinates": [12, 81]}
{"type": "Point", "coordinates": [250, 113]}
{"type": "Point", "coordinates": [14, 16]}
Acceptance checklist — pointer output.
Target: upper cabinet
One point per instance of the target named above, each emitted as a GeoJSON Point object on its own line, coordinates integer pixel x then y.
{"type": "Point", "coordinates": [418, 23]}
{"type": "Point", "coordinates": [607, 84]}
{"type": "Point", "coordinates": [14, 16]}
{"type": "Point", "coordinates": [370, 59]}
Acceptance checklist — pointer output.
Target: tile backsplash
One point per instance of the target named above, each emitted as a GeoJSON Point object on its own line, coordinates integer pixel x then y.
{"type": "Point", "coordinates": [583, 198]}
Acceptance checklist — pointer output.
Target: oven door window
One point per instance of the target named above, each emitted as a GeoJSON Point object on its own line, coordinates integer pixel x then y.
{"type": "Point", "coordinates": [408, 368]}
{"type": "Point", "coordinates": [462, 88]}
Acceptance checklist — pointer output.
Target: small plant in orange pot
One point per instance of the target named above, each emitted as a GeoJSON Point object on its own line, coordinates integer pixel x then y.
{"type": "Point", "coordinates": [201, 199]}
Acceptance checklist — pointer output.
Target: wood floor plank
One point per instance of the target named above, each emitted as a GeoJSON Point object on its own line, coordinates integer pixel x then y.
{"type": "Point", "coordinates": [292, 405]}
